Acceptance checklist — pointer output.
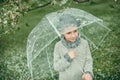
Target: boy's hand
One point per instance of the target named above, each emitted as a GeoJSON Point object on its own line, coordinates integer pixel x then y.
{"type": "Point", "coordinates": [72, 54]}
{"type": "Point", "coordinates": [87, 77]}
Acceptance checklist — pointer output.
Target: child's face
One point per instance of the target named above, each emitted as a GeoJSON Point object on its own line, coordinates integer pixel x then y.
{"type": "Point", "coordinates": [71, 36]}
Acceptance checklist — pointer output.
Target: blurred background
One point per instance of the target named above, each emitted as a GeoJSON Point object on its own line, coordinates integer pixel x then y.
{"type": "Point", "coordinates": [19, 17]}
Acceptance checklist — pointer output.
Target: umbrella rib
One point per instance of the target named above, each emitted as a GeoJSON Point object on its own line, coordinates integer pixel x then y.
{"type": "Point", "coordinates": [49, 65]}
{"type": "Point", "coordinates": [104, 38]}
{"type": "Point", "coordinates": [87, 24]}
{"type": "Point", "coordinates": [90, 41]}
{"type": "Point", "coordinates": [29, 61]}
{"type": "Point", "coordinates": [104, 26]}
{"type": "Point", "coordinates": [43, 48]}
{"type": "Point", "coordinates": [53, 27]}
{"type": "Point", "coordinates": [32, 46]}
{"type": "Point", "coordinates": [34, 43]}
{"type": "Point", "coordinates": [105, 34]}
{"type": "Point", "coordinates": [46, 34]}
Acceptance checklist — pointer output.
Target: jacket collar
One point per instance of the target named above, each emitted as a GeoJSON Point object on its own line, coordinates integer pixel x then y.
{"type": "Point", "coordinates": [70, 45]}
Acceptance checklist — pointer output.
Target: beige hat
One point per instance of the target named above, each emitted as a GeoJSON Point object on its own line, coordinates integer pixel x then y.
{"type": "Point", "coordinates": [67, 23]}
{"type": "Point", "coordinates": [69, 29]}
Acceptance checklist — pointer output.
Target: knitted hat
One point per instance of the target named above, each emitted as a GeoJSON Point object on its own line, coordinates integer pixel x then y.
{"type": "Point", "coordinates": [67, 23]}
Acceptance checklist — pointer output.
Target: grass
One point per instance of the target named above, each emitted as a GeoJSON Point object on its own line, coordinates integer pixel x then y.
{"type": "Point", "coordinates": [13, 62]}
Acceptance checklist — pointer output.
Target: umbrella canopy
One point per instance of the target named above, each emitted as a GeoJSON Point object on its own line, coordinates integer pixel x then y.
{"type": "Point", "coordinates": [42, 38]}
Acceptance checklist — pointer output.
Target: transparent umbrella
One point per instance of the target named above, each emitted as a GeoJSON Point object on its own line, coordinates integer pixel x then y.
{"type": "Point", "coordinates": [43, 37]}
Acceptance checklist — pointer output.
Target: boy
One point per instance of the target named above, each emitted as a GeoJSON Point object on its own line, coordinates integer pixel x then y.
{"type": "Point", "coordinates": [72, 57]}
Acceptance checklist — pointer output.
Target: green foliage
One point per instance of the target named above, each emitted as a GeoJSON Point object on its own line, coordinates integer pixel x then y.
{"type": "Point", "coordinates": [13, 61]}
{"type": "Point", "coordinates": [36, 3]}
{"type": "Point", "coordinates": [7, 74]}
{"type": "Point", "coordinates": [106, 59]}
{"type": "Point", "coordinates": [12, 10]}
{"type": "Point", "coordinates": [9, 15]}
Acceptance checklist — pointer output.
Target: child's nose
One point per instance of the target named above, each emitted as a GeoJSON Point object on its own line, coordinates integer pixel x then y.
{"type": "Point", "coordinates": [73, 35]}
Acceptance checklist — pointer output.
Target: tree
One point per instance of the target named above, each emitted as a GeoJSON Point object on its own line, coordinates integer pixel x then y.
{"type": "Point", "coordinates": [12, 10]}
{"type": "Point", "coordinates": [10, 13]}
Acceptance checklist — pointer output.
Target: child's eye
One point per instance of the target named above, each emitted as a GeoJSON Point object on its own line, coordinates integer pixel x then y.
{"type": "Point", "coordinates": [75, 31]}
{"type": "Point", "coordinates": [69, 33]}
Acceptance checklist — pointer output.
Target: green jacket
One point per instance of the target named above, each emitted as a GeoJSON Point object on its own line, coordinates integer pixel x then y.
{"type": "Point", "coordinates": [73, 70]}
